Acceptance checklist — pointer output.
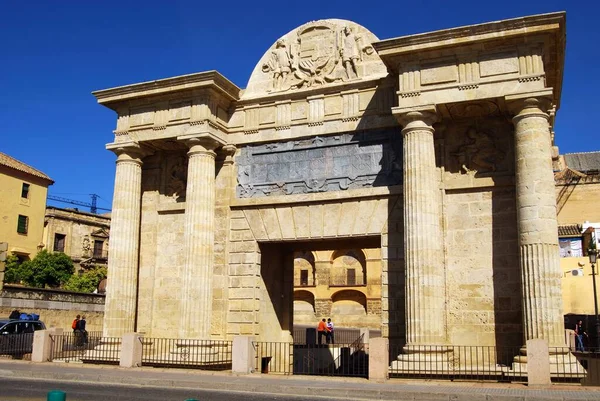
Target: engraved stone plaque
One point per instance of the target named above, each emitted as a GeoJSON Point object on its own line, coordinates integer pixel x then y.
{"type": "Point", "coordinates": [320, 164]}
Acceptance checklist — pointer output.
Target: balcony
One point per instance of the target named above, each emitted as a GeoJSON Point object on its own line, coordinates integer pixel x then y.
{"type": "Point", "coordinates": [347, 281]}
{"type": "Point", "coordinates": [303, 283]}
{"type": "Point", "coordinates": [100, 255]}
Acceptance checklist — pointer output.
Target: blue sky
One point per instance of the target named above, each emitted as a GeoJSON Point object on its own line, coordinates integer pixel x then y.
{"type": "Point", "coordinates": [53, 54]}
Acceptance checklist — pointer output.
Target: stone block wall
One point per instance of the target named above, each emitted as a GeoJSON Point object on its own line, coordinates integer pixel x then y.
{"type": "Point", "coordinates": [483, 275]}
{"type": "Point", "coordinates": [56, 308]}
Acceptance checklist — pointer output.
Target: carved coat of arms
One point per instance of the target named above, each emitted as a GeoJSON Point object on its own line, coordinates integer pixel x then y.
{"type": "Point", "coordinates": [321, 53]}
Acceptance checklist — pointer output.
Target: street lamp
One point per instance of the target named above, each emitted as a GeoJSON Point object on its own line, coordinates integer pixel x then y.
{"type": "Point", "coordinates": [593, 255]}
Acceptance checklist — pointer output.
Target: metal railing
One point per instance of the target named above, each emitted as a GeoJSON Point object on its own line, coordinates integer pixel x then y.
{"type": "Point", "coordinates": [274, 357]}
{"type": "Point", "coordinates": [82, 348]}
{"type": "Point", "coordinates": [340, 336]}
{"type": "Point", "coordinates": [567, 365]}
{"type": "Point", "coordinates": [301, 283]}
{"type": "Point", "coordinates": [16, 345]}
{"type": "Point", "coordinates": [345, 281]}
{"type": "Point", "coordinates": [487, 363]}
{"type": "Point", "coordinates": [187, 353]}
{"type": "Point", "coordinates": [457, 363]}
{"type": "Point", "coordinates": [311, 359]}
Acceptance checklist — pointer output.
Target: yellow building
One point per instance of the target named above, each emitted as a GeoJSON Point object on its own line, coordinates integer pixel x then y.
{"type": "Point", "coordinates": [578, 192]}
{"type": "Point", "coordinates": [23, 191]}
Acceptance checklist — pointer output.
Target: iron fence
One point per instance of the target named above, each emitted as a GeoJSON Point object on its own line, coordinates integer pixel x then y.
{"type": "Point", "coordinates": [458, 363]}
{"type": "Point", "coordinates": [488, 363]}
{"type": "Point", "coordinates": [187, 353]}
{"type": "Point", "coordinates": [312, 359]}
{"type": "Point", "coordinates": [340, 336]}
{"type": "Point", "coordinates": [17, 346]}
{"type": "Point", "coordinates": [568, 365]}
{"type": "Point", "coordinates": [274, 357]}
{"type": "Point", "coordinates": [89, 347]}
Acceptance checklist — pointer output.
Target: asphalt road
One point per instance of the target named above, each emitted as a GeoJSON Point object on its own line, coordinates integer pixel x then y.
{"type": "Point", "coordinates": [37, 390]}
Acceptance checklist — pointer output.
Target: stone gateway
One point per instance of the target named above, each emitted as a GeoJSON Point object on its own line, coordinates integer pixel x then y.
{"type": "Point", "coordinates": [404, 185]}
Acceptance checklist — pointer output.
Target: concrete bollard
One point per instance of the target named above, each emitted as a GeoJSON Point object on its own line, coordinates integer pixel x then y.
{"type": "Point", "coordinates": [378, 359]}
{"type": "Point", "coordinates": [57, 395]}
{"type": "Point", "coordinates": [131, 350]}
{"type": "Point", "coordinates": [538, 363]}
{"type": "Point", "coordinates": [243, 355]}
{"type": "Point", "coordinates": [42, 344]}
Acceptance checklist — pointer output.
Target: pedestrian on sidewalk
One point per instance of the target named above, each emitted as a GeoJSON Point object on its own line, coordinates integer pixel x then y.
{"type": "Point", "coordinates": [322, 330]}
{"type": "Point", "coordinates": [579, 333]}
{"type": "Point", "coordinates": [83, 331]}
{"type": "Point", "coordinates": [76, 331]}
{"type": "Point", "coordinates": [330, 337]}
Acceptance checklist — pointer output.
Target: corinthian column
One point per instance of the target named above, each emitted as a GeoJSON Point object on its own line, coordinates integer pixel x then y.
{"type": "Point", "coordinates": [121, 288]}
{"type": "Point", "coordinates": [199, 227]}
{"type": "Point", "coordinates": [425, 294]}
{"type": "Point", "coordinates": [536, 214]}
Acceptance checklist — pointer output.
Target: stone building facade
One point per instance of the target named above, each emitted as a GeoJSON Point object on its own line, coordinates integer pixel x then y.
{"type": "Point", "coordinates": [83, 236]}
{"type": "Point", "coordinates": [431, 151]}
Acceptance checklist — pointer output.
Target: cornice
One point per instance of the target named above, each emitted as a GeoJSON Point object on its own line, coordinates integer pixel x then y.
{"type": "Point", "coordinates": [472, 33]}
{"type": "Point", "coordinates": [208, 79]}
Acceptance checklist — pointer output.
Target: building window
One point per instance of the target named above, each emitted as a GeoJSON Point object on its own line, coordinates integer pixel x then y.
{"type": "Point", "coordinates": [351, 277]}
{"type": "Point", "coordinates": [23, 224]}
{"type": "Point", "coordinates": [59, 242]}
{"type": "Point", "coordinates": [25, 191]}
{"type": "Point", "coordinates": [304, 277]}
{"type": "Point", "coordinates": [98, 245]}
{"type": "Point", "coordinates": [570, 247]}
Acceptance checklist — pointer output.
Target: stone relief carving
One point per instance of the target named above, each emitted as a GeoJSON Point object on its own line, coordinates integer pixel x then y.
{"type": "Point", "coordinates": [86, 246]}
{"type": "Point", "coordinates": [321, 53]}
{"type": "Point", "coordinates": [478, 153]}
{"type": "Point", "coordinates": [177, 178]}
{"type": "Point", "coordinates": [320, 164]}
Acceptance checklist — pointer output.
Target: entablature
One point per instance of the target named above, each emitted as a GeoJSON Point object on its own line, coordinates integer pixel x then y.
{"type": "Point", "coordinates": [478, 62]}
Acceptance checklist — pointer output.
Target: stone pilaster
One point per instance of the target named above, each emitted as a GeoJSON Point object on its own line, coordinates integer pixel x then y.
{"type": "Point", "coordinates": [196, 288]}
{"type": "Point", "coordinates": [537, 225]}
{"type": "Point", "coordinates": [425, 291]}
{"type": "Point", "coordinates": [121, 288]}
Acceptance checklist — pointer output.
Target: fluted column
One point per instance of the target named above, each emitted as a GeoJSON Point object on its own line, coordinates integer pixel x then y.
{"type": "Point", "coordinates": [536, 214]}
{"type": "Point", "coordinates": [199, 227]}
{"type": "Point", "coordinates": [425, 291]}
{"type": "Point", "coordinates": [121, 288]}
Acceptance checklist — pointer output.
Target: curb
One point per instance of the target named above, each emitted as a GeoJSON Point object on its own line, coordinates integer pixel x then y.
{"type": "Point", "coordinates": [336, 389]}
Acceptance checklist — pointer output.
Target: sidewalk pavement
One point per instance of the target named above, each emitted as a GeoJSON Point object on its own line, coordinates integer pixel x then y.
{"type": "Point", "coordinates": [331, 387]}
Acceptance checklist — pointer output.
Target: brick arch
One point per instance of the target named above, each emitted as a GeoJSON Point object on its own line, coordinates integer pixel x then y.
{"type": "Point", "coordinates": [348, 302]}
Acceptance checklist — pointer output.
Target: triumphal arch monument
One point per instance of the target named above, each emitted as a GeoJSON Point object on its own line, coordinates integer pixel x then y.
{"type": "Point", "coordinates": [419, 167]}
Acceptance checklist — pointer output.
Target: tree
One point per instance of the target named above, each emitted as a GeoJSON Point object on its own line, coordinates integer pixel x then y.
{"type": "Point", "coordinates": [11, 270]}
{"type": "Point", "coordinates": [88, 281]}
{"type": "Point", "coordinates": [45, 270]}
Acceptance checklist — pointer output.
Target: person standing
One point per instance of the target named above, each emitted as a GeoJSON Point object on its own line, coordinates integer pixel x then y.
{"type": "Point", "coordinates": [322, 330]}
{"type": "Point", "coordinates": [579, 333]}
{"type": "Point", "coordinates": [83, 331]}
{"type": "Point", "coordinates": [76, 332]}
{"type": "Point", "coordinates": [330, 337]}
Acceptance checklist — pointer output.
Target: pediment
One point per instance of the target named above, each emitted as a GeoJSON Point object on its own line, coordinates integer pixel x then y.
{"type": "Point", "coordinates": [317, 54]}
{"type": "Point", "coordinates": [100, 233]}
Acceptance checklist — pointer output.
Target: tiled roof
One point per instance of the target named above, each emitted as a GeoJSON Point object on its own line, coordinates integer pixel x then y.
{"type": "Point", "coordinates": [11, 162]}
{"type": "Point", "coordinates": [569, 230]}
{"type": "Point", "coordinates": [585, 161]}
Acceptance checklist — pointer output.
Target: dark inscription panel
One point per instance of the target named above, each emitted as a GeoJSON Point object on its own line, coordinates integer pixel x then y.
{"type": "Point", "coordinates": [320, 164]}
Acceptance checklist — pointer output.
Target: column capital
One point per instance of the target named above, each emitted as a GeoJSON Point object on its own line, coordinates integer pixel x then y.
{"type": "Point", "coordinates": [412, 118]}
{"type": "Point", "coordinates": [205, 142]}
{"type": "Point", "coordinates": [530, 103]}
{"type": "Point", "coordinates": [129, 151]}
{"type": "Point", "coordinates": [229, 151]}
